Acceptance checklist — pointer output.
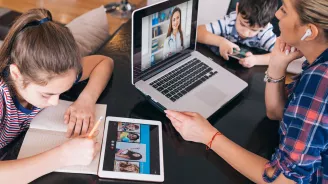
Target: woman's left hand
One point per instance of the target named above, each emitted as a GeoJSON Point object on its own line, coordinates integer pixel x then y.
{"type": "Point", "coordinates": [192, 126]}
{"type": "Point", "coordinates": [79, 117]}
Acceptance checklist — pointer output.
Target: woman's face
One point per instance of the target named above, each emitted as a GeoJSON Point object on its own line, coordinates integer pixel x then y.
{"type": "Point", "coordinates": [132, 136]}
{"type": "Point", "coordinates": [137, 155]}
{"type": "Point", "coordinates": [130, 126]}
{"type": "Point", "coordinates": [130, 168]}
{"type": "Point", "coordinates": [289, 24]}
{"type": "Point", "coordinates": [175, 20]}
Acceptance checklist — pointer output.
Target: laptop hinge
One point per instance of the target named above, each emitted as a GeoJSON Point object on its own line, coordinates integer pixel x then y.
{"type": "Point", "coordinates": [168, 63]}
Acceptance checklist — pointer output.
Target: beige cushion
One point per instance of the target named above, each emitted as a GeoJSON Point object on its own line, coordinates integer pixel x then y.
{"type": "Point", "coordinates": [90, 30]}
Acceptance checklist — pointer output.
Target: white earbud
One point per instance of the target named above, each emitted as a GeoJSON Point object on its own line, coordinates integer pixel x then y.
{"type": "Point", "coordinates": [307, 34]}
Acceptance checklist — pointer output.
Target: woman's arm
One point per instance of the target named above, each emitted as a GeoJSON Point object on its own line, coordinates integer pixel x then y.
{"type": "Point", "coordinates": [275, 97]}
{"type": "Point", "coordinates": [195, 128]}
{"type": "Point", "coordinates": [80, 115]}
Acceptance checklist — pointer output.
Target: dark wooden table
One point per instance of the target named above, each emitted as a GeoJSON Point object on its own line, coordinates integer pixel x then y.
{"type": "Point", "coordinates": [243, 120]}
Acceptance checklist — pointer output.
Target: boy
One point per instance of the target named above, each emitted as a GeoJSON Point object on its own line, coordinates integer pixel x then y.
{"type": "Point", "coordinates": [248, 25]}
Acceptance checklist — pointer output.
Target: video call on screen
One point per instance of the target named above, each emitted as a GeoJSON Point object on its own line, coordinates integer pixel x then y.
{"type": "Point", "coordinates": [132, 148]}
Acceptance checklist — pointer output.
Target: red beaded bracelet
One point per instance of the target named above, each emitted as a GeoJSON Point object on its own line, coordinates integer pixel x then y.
{"type": "Point", "coordinates": [209, 145]}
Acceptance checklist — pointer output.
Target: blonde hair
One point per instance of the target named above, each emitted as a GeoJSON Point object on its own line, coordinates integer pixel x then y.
{"type": "Point", "coordinates": [314, 12]}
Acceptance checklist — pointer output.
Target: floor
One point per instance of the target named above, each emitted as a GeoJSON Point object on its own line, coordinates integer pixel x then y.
{"type": "Point", "coordinates": [65, 11]}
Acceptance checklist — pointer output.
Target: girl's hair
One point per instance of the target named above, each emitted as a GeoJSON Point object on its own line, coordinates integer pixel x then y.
{"type": "Point", "coordinates": [177, 9]}
{"type": "Point", "coordinates": [41, 51]}
{"type": "Point", "coordinates": [132, 157]}
{"type": "Point", "coordinates": [314, 12]}
{"type": "Point", "coordinates": [124, 165]}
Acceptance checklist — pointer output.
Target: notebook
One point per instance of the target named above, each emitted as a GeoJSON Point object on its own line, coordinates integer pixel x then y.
{"type": "Point", "coordinates": [47, 130]}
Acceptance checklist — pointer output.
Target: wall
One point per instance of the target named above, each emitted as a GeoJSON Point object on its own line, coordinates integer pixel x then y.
{"type": "Point", "coordinates": [209, 10]}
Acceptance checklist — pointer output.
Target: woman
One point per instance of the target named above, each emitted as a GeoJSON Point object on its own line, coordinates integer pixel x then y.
{"type": "Point", "coordinates": [174, 40]}
{"type": "Point", "coordinates": [127, 137]}
{"type": "Point", "coordinates": [301, 156]}
{"type": "Point", "coordinates": [128, 155]}
{"type": "Point", "coordinates": [128, 167]}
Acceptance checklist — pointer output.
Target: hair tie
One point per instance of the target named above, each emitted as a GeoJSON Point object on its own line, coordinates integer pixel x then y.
{"type": "Point", "coordinates": [44, 20]}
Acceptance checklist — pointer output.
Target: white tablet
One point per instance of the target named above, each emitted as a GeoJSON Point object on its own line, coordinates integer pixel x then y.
{"type": "Point", "coordinates": [132, 150]}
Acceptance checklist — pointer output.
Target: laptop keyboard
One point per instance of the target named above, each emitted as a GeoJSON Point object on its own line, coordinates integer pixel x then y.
{"type": "Point", "coordinates": [183, 79]}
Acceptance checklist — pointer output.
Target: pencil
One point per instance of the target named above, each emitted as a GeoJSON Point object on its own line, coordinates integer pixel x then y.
{"type": "Point", "coordinates": [95, 127]}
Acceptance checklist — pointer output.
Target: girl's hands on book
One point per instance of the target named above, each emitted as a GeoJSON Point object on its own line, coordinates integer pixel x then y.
{"type": "Point", "coordinates": [79, 117]}
{"type": "Point", "coordinates": [79, 151]}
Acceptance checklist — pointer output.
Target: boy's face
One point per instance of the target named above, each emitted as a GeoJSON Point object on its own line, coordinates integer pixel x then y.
{"type": "Point", "coordinates": [243, 28]}
{"type": "Point", "coordinates": [48, 95]}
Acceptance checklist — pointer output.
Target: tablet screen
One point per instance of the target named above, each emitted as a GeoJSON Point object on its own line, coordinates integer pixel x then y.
{"type": "Point", "coordinates": [132, 148]}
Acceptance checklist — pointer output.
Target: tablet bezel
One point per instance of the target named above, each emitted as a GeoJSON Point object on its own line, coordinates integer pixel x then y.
{"type": "Point", "coordinates": [131, 176]}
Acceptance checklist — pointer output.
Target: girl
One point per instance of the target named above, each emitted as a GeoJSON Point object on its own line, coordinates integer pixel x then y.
{"type": "Point", "coordinates": [302, 154]}
{"type": "Point", "coordinates": [39, 60]}
{"type": "Point", "coordinates": [174, 41]}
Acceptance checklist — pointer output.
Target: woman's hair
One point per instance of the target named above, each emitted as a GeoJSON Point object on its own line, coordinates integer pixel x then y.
{"type": "Point", "coordinates": [137, 136]}
{"type": "Point", "coordinates": [124, 165]}
{"type": "Point", "coordinates": [177, 9]}
{"type": "Point", "coordinates": [314, 12]}
{"type": "Point", "coordinates": [132, 157]}
{"type": "Point", "coordinates": [40, 50]}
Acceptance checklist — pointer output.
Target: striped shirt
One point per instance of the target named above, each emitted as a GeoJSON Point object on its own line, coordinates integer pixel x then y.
{"type": "Point", "coordinates": [226, 28]}
{"type": "Point", "coordinates": [302, 155]}
{"type": "Point", "coordinates": [14, 117]}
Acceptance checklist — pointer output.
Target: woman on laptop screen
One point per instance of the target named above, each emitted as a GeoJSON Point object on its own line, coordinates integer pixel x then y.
{"type": "Point", "coordinates": [174, 40]}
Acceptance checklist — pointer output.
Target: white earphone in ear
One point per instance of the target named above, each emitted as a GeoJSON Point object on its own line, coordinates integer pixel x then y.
{"type": "Point", "coordinates": [307, 34]}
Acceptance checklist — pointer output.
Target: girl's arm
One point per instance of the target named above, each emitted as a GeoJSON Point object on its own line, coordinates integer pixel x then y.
{"type": "Point", "coordinates": [80, 115]}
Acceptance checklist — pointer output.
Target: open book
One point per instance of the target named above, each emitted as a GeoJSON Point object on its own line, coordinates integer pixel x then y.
{"type": "Point", "coordinates": [48, 130]}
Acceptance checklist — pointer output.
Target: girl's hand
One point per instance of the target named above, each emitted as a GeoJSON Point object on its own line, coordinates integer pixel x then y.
{"type": "Point", "coordinates": [282, 54]}
{"type": "Point", "coordinates": [79, 151]}
{"type": "Point", "coordinates": [79, 117]}
{"type": "Point", "coordinates": [249, 61]}
{"type": "Point", "coordinates": [191, 126]}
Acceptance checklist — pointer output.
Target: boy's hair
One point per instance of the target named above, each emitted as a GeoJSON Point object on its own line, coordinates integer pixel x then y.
{"type": "Point", "coordinates": [258, 12]}
{"type": "Point", "coordinates": [40, 51]}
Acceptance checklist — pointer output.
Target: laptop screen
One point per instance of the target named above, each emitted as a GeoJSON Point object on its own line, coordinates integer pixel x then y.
{"type": "Point", "coordinates": [163, 34]}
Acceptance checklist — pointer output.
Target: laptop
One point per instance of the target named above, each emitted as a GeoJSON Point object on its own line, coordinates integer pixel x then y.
{"type": "Point", "coordinates": [168, 70]}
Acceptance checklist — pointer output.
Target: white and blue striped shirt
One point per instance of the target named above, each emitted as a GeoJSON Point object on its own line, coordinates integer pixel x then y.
{"type": "Point", "coordinates": [226, 28]}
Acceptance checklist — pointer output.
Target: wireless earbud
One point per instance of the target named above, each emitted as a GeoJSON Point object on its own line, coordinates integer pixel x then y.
{"type": "Point", "coordinates": [307, 34]}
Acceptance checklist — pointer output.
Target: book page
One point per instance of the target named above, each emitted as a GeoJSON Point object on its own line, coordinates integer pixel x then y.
{"type": "Point", "coordinates": [47, 135]}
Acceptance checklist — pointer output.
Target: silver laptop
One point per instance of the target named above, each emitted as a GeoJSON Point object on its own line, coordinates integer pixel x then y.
{"type": "Point", "coordinates": [167, 68]}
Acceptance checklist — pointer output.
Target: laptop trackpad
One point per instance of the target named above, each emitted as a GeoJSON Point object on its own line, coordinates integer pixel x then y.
{"type": "Point", "coordinates": [210, 95]}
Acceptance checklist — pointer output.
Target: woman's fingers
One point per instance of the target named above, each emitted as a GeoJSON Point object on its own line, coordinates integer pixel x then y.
{"type": "Point", "coordinates": [177, 115]}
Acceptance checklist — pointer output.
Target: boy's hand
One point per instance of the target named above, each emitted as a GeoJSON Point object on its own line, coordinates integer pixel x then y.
{"type": "Point", "coordinates": [226, 47]}
{"type": "Point", "coordinates": [249, 61]}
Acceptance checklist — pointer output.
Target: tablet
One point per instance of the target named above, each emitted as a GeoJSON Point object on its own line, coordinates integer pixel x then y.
{"type": "Point", "coordinates": [132, 150]}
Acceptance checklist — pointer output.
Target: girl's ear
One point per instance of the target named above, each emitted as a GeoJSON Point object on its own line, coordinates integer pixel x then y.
{"type": "Point", "coordinates": [14, 72]}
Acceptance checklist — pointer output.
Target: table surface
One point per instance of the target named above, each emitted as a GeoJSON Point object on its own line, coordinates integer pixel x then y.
{"type": "Point", "coordinates": [243, 120]}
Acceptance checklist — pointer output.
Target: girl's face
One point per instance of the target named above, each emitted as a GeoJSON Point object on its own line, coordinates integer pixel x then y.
{"type": "Point", "coordinates": [289, 24]}
{"type": "Point", "coordinates": [48, 95]}
{"type": "Point", "coordinates": [130, 126]}
{"type": "Point", "coordinates": [137, 155]}
{"type": "Point", "coordinates": [175, 20]}
{"type": "Point", "coordinates": [132, 136]}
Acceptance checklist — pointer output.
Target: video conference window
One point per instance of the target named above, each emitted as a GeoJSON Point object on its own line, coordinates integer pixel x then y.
{"type": "Point", "coordinates": [165, 33]}
{"type": "Point", "coordinates": [132, 148]}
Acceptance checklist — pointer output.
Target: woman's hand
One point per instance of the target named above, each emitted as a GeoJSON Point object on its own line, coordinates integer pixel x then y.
{"type": "Point", "coordinates": [79, 151]}
{"type": "Point", "coordinates": [226, 47]}
{"type": "Point", "coordinates": [191, 126]}
{"type": "Point", "coordinates": [282, 54]}
{"type": "Point", "coordinates": [249, 61]}
{"type": "Point", "coordinates": [79, 117]}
